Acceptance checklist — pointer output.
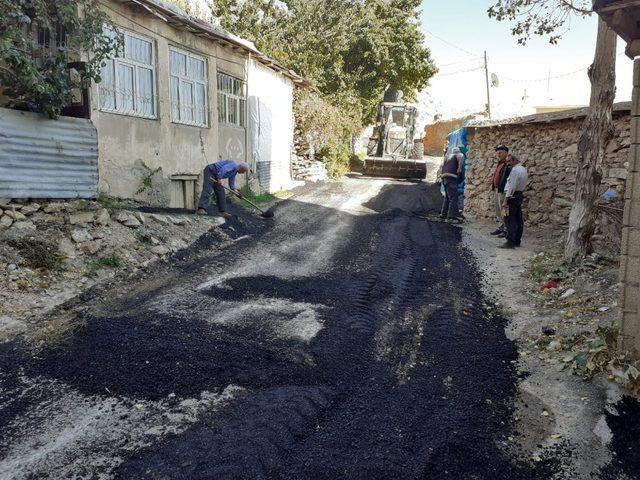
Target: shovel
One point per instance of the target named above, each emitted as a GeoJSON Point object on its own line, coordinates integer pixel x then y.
{"type": "Point", "coordinates": [263, 213]}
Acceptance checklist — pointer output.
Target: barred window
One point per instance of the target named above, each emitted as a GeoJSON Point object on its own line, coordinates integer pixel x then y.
{"type": "Point", "coordinates": [128, 81]}
{"type": "Point", "coordinates": [232, 102]}
{"type": "Point", "coordinates": [188, 78]}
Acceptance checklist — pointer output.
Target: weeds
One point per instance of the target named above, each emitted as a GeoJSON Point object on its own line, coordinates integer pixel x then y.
{"type": "Point", "coordinates": [105, 262]}
{"type": "Point", "coordinates": [38, 254]}
{"type": "Point", "coordinates": [112, 203]}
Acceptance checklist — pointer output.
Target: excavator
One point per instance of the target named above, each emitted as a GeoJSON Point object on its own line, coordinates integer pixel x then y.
{"type": "Point", "coordinates": [392, 151]}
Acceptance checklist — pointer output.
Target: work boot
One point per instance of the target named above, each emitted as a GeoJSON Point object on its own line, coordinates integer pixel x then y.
{"type": "Point", "coordinates": [225, 215]}
{"type": "Point", "coordinates": [508, 245]}
{"type": "Point", "coordinates": [201, 211]}
{"type": "Point", "coordinates": [502, 235]}
{"type": "Point", "coordinates": [497, 232]}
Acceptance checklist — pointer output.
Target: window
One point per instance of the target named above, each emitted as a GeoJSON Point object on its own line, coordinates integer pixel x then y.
{"type": "Point", "coordinates": [188, 78]}
{"type": "Point", "coordinates": [128, 81]}
{"type": "Point", "coordinates": [232, 103]}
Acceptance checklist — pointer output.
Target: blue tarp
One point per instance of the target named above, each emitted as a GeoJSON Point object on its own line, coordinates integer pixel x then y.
{"type": "Point", "coordinates": [458, 138]}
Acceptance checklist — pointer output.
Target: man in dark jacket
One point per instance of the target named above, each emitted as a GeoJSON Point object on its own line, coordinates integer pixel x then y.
{"type": "Point", "coordinates": [451, 170]}
{"type": "Point", "coordinates": [498, 182]}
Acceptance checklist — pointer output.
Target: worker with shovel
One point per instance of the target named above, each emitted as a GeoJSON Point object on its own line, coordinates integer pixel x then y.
{"type": "Point", "coordinates": [212, 183]}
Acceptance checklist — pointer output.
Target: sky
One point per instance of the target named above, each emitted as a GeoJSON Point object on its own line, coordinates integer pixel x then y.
{"type": "Point", "coordinates": [459, 31]}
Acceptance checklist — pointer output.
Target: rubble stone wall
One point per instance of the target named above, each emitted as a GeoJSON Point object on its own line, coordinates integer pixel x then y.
{"type": "Point", "coordinates": [548, 151]}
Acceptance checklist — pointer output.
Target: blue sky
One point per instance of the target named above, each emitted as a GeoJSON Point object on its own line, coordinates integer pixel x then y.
{"type": "Point", "coordinates": [464, 23]}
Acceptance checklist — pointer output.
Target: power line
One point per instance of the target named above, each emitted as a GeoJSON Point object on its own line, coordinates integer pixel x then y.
{"type": "Point", "coordinates": [546, 79]}
{"type": "Point", "coordinates": [453, 45]}
{"type": "Point", "coordinates": [456, 63]}
{"type": "Point", "coordinates": [459, 71]}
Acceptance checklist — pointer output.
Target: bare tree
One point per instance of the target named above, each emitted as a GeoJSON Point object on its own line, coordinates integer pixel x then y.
{"type": "Point", "coordinates": [596, 131]}
{"type": "Point", "coordinates": [548, 17]}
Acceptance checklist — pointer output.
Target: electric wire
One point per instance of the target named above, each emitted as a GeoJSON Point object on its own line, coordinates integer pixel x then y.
{"type": "Point", "coordinates": [453, 45]}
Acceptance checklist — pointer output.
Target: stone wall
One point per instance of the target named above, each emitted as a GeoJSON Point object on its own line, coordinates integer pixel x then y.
{"type": "Point", "coordinates": [548, 151]}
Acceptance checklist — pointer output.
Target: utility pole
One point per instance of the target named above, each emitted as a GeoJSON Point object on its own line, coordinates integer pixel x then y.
{"type": "Point", "coordinates": [486, 74]}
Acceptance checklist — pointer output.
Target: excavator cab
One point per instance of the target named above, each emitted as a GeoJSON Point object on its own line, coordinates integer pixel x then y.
{"type": "Point", "coordinates": [392, 151]}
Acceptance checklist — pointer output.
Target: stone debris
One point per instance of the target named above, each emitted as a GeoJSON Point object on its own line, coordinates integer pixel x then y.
{"type": "Point", "coordinates": [177, 220]}
{"type": "Point", "coordinates": [91, 247]}
{"type": "Point", "coordinates": [160, 250]}
{"type": "Point", "coordinates": [162, 220]}
{"type": "Point", "coordinates": [76, 244]}
{"type": "Point", "coordinates": [102, 217]}
{"type": "Point", "coordinates": [80, 235]}
{"type": "Point", "coordinates": [82, 218]}
{"type": "Point", "coordinates": [132, 222]}
{"type": "Point", "coordinates": [308, 170]}
{"type": "Point", "coordinates": [6, 221]}
{"type": "Point", "coordinates": [53, 208]}
{"type": "Point", "coordinates": [567, 293]}
{"type": "Point", "coordinates": [30, 209]}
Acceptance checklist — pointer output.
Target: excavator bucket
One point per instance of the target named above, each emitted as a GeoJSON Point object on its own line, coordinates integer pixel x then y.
{"type": "Point", "coordinates": [386, 167]}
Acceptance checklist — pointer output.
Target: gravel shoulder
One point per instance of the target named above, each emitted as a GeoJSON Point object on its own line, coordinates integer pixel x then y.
{"type": "Point", "coordinates": [555, 409]}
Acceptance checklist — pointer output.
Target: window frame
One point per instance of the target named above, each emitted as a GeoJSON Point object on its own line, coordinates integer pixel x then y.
{"type": "Point", "coordinates": [135, 65]}
{"type": "Point", "coordinates": [185, 79]}
{"type": "Point", "coordinates": [241, 113]}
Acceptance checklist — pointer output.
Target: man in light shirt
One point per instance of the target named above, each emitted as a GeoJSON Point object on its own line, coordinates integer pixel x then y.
{"type": "Point", "coordinates": [514, 196]}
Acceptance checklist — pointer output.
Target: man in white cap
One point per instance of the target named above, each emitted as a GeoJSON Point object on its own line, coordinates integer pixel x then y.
{"type": "Point", "coordinates": [213, 175]}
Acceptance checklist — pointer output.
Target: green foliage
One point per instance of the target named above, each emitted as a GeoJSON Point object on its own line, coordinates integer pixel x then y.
{"type": "Point", "coordinates": [538, 17]}
{"type": "Point", "coordinates": [105, 262]}
{"type": "Point", "coordinates": [38, 38]}
{"type": "Point", "coordinates": [349, 50]}
{"type": "Point", "coordinates": [147, 181]}
{"type": "Point", "coordinates": [257, 199]}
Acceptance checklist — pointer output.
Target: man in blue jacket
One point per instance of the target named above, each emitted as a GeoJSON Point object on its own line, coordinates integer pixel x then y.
{"type": "Point", "coordinates": [213, 175]}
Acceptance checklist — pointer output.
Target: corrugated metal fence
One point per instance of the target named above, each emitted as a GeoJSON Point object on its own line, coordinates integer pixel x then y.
{"type": "Point", "coordinates": [44, 158]}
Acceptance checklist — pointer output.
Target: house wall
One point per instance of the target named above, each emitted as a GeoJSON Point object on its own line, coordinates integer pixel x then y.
{"type": "Point", "coordinates": [131, 149]}
{"type": "Point", "coordinates": [548, 151]}
{"type": "Point", "coordinates": [435, 135]}
{"type": "Point", "coordinates": [270, 100]}
{"type": "Point", "coordinates": [630, 250]}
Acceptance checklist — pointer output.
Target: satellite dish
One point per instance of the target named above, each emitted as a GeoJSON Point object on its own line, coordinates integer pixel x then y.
{"type": "Point", "coordinates": [495, 82]}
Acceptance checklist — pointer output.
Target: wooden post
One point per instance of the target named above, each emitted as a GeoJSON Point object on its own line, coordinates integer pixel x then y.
{"type": "Point", "coordinates": [630, 254]}
{"type": "Point", "coordinates": [486, 74]}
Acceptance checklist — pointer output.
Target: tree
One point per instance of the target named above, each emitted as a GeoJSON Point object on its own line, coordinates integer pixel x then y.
{"type": "Point", "coordinates": [38, 40]}
{"type": "Point", "coordinates": [546, 17]}
{"type": "Point", "coordinates": [350, 50]}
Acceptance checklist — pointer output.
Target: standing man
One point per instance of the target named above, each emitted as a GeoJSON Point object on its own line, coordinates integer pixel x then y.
{"type": "Point", "coordinates": [514, 196]}
{"type": "Point", "coordinates": [213, 175]}
{"type": "Point", "coordinates": [451, 170]}
{"type": "Point", "coordinates": [498, 183]}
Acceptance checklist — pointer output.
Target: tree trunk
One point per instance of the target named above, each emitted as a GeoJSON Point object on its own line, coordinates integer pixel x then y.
{"type": "Point", "coordinates": [596, 131]}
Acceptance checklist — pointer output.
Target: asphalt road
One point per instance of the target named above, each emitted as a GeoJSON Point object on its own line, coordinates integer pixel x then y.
{"type": "Point", "coordinates": [347, 339]}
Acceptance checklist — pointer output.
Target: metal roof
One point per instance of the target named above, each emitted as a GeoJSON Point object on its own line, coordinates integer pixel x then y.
{"type": "Point", "coordinates": [178, 19]}
{"type": "Point", "coordinates": [619, 109]}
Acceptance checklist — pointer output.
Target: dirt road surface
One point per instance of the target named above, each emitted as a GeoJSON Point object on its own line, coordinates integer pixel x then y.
{"type": "Point", "coordinates": [347, 339]}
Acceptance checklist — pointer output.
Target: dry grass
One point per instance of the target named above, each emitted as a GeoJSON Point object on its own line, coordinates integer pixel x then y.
{"type": "Point", "coordinates": [55, 330]}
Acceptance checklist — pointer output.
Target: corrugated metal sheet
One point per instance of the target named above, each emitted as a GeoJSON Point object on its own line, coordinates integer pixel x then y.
{"type": "Point", "coordinates": [44, 158]}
